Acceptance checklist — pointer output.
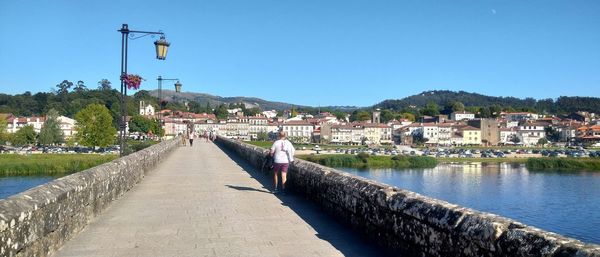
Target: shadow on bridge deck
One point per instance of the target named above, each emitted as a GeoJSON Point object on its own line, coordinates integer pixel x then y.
{"type": "Point", "coordinates": [343, 238]}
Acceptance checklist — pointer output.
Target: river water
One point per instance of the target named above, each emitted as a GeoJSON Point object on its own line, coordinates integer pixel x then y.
{"type": "Point", "coordinates": [14, 185]}
{"type": "Point", "coordinates": [567, 203]}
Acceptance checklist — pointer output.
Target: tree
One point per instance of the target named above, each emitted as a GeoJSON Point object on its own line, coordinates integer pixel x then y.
{"type": "Point", "coordinates": [360, 116]}
{"type": "Point", "coordinates": [472, 109]}
{"type": "Point", "coordinates": [51, 132]}
{"type": "Point", "coordinates": [408, 116]}
{"type": "Point", "coordinates": [339, 115]}
{"type": "Point", "coordinates": [143, 125]}
{"type": "Point", "coordinates": [419, 139]}
{"type": "Point", "coordinates": [262, 136]}
{"type": "Point", "coordinates": [542, 141]}
{"type": "Point", "coordinates": [252, 111]}
{"type": "Point", "coordinates": [495, 110]}
{"type": "Point", "coordinates": [485, 112]}
{"type": "Point", "coordinates": [156, 128]}
{"type": "Point", "coordinates": [515, 139]}
{"type": "Point", "coordinates": [94, 126]}
{"type": "Point", "coordinates": [139, 124]}
{"type": "Point", "coordinates": [104, 84]}
{"type": "Point", "coordinates": [80, 87]}
{"type": "Point", "coordinates": [453, 106]}
{"type": "Point", "coordinates": [458, 107]}
{"type": "Point", "coordinates": [64, 86]}
{"type": "Point", "coordinates": [552, 134]}
{"type": "Point", "coordinates": [431, 109]}
{"type": "Point", "coordinates": [294, 113]}
{"type": "Point", "coordinates": [386, 115]}
{"type": "Point", "coordinates": [24, 136]}
{"type": "Point", "coordinates": [221, 112]}
{"type": "Point", "coordinates": [3, 133]}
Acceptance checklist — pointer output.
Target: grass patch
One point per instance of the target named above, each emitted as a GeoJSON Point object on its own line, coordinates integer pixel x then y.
{"type": "Point", "coordinates": [49, 164]}
{"type": "Point", "coordinates": [369, 161]}
{"type": "Point", "coordinates": [573, 164]}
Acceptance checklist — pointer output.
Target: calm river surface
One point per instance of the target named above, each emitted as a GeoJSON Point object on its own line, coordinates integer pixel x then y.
{"type": "Point", "coordinates": [14, 185]}
{"type": "Point", "coordinates": [567, 203]}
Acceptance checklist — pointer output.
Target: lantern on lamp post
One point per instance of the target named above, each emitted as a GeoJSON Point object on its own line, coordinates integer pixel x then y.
{"type": "Point", "coordinates": [160, 101]}
{"type": "Point", "coordinates": [178, 87]}
{"type": "Point", "coordinates": [161, 48]}
{"type": "Point", "coordinates": [161, 53]}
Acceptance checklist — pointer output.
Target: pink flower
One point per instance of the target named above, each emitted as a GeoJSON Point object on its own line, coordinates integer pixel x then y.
{"type": "Point", "coordinates": [133, 81]}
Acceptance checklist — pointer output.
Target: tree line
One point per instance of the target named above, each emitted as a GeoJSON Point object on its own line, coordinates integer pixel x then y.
{"type": "Point", "coordinates": [488, 105]}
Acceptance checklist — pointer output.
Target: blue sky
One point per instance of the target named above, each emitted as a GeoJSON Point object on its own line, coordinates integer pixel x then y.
{"type": "Point", "coordinates": [311, 52]}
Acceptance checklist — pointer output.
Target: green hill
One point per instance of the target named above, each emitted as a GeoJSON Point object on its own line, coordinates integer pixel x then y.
{"type": "Point", "coordinates": [563, 104]}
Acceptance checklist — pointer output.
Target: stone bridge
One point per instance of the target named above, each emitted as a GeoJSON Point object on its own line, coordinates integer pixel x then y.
{"type": "Point", "coordinates": [211, 200]}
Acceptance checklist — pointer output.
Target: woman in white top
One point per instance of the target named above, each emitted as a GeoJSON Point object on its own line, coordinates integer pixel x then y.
{"type": "Point", "coordinates": [283, 153]}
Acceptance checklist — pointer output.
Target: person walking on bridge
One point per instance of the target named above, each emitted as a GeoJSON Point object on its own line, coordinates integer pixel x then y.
{"type": "Point", "coordinates": [191, 138]}
{"type": "Point", "coordinates": [283, 154]}
{"type": "Point", "coordinates": [183, 138]}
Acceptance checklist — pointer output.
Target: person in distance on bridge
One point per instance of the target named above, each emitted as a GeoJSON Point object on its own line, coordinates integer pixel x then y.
{"type": "Point", "coordinates": [183, 138]}
{"type": "Point", "coordinates": [191, 137]}
{"type": "Point", "coordinates": [283, 154]}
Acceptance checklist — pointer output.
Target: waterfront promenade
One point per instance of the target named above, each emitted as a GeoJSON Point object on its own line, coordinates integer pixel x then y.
{"type": "Point", "coordinates": [202, 202]}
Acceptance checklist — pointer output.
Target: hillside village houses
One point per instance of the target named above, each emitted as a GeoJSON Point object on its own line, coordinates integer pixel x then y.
{"type": "Point", "coordinates": [521, 128]}
{"type": "Point", "coordinates": [67, 125]}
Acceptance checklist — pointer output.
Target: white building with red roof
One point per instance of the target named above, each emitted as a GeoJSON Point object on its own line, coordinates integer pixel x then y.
{"type": "Point", "coordinates": [298, 130]}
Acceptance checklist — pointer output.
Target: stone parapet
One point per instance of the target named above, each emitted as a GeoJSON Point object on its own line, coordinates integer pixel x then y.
{"type": "Point", "coordinates": [38, 221]}
{"type": "Point", "coordinates": [411, 224]}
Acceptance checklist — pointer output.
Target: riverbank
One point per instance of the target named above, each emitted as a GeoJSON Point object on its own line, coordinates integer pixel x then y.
{"type": "Point", "coordinates": [564, 164]}
{"type": "Point", "coordinates": [365, 161]}
{"type": "Point", "coordinates": [49, 164]}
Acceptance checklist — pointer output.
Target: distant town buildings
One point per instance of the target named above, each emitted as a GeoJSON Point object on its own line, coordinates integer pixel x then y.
{"type": "Point", "coordinates": [462, 116]}
{"type": "Point", "coordinates": [146, 109]}
{"type": "Point", "coordinates": [462, 129]}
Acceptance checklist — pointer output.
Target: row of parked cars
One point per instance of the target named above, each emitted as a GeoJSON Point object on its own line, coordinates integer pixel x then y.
{"type": "Point", "coordinates": [57, 149]}
{"type": "Point", "coordinates": [371, 151]}
{"type": "Point", "coordinates": [467, 153]}
{"type": "Point", "coordinates": [498, 153]}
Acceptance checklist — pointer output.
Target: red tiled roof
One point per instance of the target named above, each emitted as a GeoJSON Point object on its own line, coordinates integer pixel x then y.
{"type": "Point", "coordinates": [297, 122]}
{"type": "Point", "coordinates": [376, 125]}
{"type": "Point", "coordinates": [469, 128]}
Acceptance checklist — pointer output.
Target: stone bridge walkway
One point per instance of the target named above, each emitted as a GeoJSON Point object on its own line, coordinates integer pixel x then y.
{"type": "Point", "coordinates": [202, 202]}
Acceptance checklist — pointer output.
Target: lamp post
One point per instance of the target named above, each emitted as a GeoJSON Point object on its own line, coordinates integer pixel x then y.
{"type": "Point", "coordinates": [177, 89]}
{"type": "Point", "coordinates": [161, 53]}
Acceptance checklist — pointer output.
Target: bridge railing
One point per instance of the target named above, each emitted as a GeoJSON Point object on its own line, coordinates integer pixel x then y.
{"type": "Point", "coordinates": [38, 221]}
{"type": "Point", "coordinates": [412, 224]}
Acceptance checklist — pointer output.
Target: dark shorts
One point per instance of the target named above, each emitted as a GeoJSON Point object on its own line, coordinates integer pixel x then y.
{"type": "Point", "coordinates": [283, 167]}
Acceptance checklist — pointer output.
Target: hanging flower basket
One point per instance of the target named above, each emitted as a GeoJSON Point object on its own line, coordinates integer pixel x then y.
{"type": "Point", "coordinates": [133, 81]}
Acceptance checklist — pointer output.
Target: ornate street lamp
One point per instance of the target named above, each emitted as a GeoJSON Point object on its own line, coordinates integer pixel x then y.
{"type": "Point", "coordinates": [161, 53]}
{"type": "Point", "coordinates": [161, 48]}
{"type": "Point", "coordinates": [177, 89]}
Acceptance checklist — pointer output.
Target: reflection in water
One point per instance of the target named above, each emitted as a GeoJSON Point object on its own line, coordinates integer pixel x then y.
{"type": "Point", "coordinates": [563, 202]}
